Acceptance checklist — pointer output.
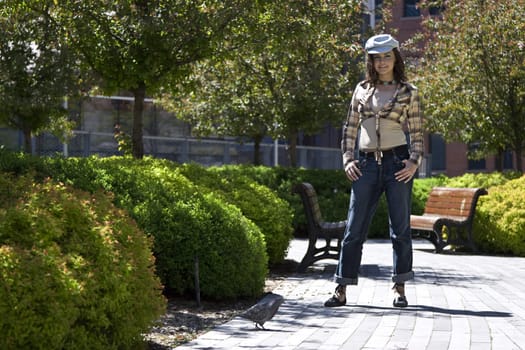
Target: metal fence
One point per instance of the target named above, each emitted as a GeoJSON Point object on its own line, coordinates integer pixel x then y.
{"type": "Point", "coordinates": [203, 151]}
{"type": "Point", "coordinates": [183, 150]}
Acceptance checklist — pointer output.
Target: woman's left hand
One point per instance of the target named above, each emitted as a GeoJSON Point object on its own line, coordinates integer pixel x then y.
{"type": "Point", "coordinates": [407, 172]}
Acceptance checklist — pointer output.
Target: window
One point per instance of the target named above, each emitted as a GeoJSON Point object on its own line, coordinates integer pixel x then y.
{"type": "Point", "coordinates": [437, 148]}
{"type": "Point", "coordinates": [475, 164]}
{"type": "Point", "coordinates": [508, 160]}
{"type": "Point", "coordinates": [435, 10]}
{"type": "Point", "coordinates": [411, 8]}
{"type": "Point", "coordinates": [377, 10]}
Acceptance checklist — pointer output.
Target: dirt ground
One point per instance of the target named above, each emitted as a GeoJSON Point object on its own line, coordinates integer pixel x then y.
{"type": "Point", "coordinates": [185, 321]}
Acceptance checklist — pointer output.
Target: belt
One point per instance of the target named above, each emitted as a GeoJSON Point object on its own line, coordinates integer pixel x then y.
{"type": "Point", "coordinates": [385, 153]}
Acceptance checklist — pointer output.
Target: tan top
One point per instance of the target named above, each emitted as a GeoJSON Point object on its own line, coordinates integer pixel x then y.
{"type": "Point", "coordinates": [392, 134]}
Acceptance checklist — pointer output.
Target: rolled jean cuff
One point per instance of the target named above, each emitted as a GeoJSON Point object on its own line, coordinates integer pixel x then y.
{"type": "Point", "coordinates": [344, 281]}
{"type": "Point", "coordinates": [403, 277]}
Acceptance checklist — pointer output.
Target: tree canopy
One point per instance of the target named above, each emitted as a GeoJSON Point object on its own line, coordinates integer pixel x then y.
{"type": "Point", "coordinates": [473, 75]}
{"type": "Point", "coordinates": [145, 46]}
{"type": "Point", "coordinates": [294, 72]}
{"type": "Point", "coordinates": [36, 70]}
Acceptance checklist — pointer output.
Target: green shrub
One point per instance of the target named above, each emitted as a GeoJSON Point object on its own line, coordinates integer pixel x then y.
{"type": "Point", "coordinates": [185, 220]}
{"type": "Point", "coordinates": [230, 248]}
{"type": "Point", "coordinates": [483, 180]}
{"type": "Point", "coordinates": [257, 202]}
{"type": "Point", "coordinates": [332, 187]}
{"type": "Point", "coordinates": [18, 163]}
{"type": "Point", "coordinates": [499, 225]}
{"type": "Point", "coordinates": [72, 268]}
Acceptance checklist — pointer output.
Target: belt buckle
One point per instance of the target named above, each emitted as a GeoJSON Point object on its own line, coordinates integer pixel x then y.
{"type": "Point", "coordinates": [378, 155]}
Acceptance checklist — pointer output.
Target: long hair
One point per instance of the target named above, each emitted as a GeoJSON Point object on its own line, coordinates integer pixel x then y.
{"type": "Point", "coordinates": [399, 68]}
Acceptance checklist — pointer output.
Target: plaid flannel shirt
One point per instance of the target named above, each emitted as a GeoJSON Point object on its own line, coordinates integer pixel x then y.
{"type": "Point", "coordinates": [406, 108]}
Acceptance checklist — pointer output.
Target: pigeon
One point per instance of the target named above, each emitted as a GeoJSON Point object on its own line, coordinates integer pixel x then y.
{"type": "Point", "coordinates": [264, 310]}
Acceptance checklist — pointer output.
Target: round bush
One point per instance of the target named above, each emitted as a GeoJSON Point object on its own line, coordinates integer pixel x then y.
{"type": "Point", "coordinates": [258, 203]}
{"type": "Point", "coordinates": [185, 222]}
{"type": "Point", "coordinates": [189, 223]}
{"type": "Point", "coordinates": [72, 269]}
{"type": "Point", "coordinates": [499, 225]}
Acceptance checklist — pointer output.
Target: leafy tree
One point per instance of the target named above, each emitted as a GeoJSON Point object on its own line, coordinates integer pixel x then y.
{"type": "Point", "coordinates": [143, 46]}
{"type": "Point", "coordinates": [288, 76]}
{"type": "Point", "coordinates": [473, 75]}
{"type": "Point", "coordinates": [35, 71]}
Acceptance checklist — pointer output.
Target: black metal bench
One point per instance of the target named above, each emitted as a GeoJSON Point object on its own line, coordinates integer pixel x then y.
{"type": "Point", "coordinates": [448, 217]}
{"type": "Point", "coordinates": [318, 229]}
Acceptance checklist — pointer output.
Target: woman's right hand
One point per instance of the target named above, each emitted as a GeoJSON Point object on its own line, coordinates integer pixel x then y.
{"type": "Point", "coordinates": [352, 170]}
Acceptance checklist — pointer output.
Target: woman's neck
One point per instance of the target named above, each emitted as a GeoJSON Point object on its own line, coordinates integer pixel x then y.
{"type": "Point", "coordinates": [386, 77]}
{"type": "Point", "coordinates": [389, 78]}
{"type": "Point", "coordinates": [390, 82]}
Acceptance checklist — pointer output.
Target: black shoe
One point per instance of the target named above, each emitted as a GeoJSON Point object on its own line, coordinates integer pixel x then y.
{"type": "Point", "coordinates": [338, 299]}
{"type": "Point", "coordinates": [400, 300]}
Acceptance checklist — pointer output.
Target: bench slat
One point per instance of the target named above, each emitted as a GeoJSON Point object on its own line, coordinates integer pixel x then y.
{"type": "Point", "coordinates": [426, 222]}
{"type": "Point", "coordinates": [451, 201]}
{"type": "Point", "coordinates": [449, 211]}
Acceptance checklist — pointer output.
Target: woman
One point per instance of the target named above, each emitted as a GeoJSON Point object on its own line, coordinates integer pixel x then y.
{"type": "Point", "coordinates": [383, 106]}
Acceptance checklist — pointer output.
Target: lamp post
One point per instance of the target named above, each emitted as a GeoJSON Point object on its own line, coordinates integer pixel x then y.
{"type": "Point", "coordinates": [275, 146]}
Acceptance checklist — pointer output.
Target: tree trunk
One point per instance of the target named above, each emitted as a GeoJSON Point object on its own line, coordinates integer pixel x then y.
{"type": "Point", "coordinates": [519, 160]}
{"type": "Point", "coordinates": [27, 141]}
{"type": "Point", "coordinates": [498, 161]}
{"type": "Point", "coordinates": [137, 132]}
{"type": "Point", "coordinates": [292, 149]}
{"type": "Point", "coordinates": [257, 150]}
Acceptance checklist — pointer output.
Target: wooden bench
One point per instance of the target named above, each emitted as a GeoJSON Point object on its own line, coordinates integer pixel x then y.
{"type": "Point", "coordinates": [331, 232]}
{"type": "Point", "coordinates": [450, 212]}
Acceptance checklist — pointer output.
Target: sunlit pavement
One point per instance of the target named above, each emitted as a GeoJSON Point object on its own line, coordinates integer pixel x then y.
{"type": "Point", "coordinates": [457, 301]}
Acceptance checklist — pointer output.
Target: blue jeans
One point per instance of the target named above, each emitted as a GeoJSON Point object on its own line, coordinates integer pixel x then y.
{"type": "Point", "coordinates": [365, 195]}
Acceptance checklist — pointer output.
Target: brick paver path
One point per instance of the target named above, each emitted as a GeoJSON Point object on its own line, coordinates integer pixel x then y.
{"type": "Point", "coordinates": [457, 301]}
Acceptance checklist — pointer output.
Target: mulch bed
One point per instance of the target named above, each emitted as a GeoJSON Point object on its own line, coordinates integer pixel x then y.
{"type": "Point", "coordinates": [185, 320]}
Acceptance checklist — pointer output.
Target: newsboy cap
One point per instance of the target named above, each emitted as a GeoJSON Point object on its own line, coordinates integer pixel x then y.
{"type": "Point", "coordinates": [381, 43]}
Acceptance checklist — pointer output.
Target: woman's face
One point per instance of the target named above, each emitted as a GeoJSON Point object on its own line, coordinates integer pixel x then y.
{"type": "Point", "coordinates": [384, 65]}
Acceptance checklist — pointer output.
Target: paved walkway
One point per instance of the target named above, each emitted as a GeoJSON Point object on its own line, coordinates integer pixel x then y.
{"type": "Point", "coordinates": [457, 301]}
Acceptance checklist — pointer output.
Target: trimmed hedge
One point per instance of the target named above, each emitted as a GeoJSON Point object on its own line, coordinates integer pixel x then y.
{"type": "Point", "coordinates": [332, 187]}
{"type": "Point", "coordinates": [257, 202]}
{"type": "Point", "coordinates": [72, 268]}
{"type": "Point", "coordinates": [186, 221]}
{"type": "Point", "coordinates": [483, 180]}
{"type": "Point", "coordinates": [499, 225]}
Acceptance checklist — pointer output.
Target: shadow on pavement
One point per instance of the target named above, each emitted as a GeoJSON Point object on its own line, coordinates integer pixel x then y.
{"type": "Point", "coordinates": [435, 309]}
{"type": "Point", "coordinates": [423, 274]}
